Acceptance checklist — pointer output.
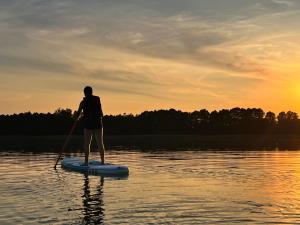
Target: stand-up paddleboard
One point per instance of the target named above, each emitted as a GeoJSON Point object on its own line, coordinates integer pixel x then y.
{"type": "Point", "coordinates": [94, 167]}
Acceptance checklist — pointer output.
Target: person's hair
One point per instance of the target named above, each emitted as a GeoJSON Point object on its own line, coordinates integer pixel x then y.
{"type": "Point", "coordinates": [88, 91]}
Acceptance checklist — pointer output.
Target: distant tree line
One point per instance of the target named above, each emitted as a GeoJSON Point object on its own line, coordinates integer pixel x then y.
{"type": "Point", "coordinates": [225, 121]}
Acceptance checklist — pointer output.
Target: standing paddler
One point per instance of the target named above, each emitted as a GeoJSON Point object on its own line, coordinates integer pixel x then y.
{"type": "Point", "coordinates": [92, 119]}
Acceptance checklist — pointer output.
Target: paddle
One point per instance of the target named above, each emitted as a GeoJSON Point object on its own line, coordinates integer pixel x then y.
{"type": "Point", "coordinates": [66, 142]}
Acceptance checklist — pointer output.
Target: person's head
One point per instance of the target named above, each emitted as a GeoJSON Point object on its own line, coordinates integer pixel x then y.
{"type": "Point", "coordinates": [88, 91]}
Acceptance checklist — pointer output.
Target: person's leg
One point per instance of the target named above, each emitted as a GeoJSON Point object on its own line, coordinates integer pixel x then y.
{"type": "Point", "coordinates": [98, 135]}
{"type": "Point", "coordinates": [88, 134]}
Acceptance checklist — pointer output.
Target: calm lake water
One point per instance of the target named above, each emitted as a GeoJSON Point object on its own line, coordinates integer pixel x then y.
{"type": "Point", "coordinates": [164, 187]}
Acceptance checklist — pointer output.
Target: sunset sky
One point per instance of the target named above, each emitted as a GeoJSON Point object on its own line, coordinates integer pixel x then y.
{"type": "Point", "coordinates": [150, 54]}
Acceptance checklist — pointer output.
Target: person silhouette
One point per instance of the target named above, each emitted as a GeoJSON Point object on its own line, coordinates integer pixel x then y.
{"type": "Point", "coordinates": [92, 120]}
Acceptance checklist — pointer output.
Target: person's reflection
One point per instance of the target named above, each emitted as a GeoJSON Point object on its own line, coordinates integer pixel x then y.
{"type": "Point", "coordinates": [93, 210]}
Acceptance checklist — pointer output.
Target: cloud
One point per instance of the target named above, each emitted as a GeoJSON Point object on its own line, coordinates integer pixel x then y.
{"type": "Point", "coordinates": [122, 76]}
{"type": "Point", "coordinates": [181, 50]}
{"type": "Point", "coordinates": [231, 81]}
{"type": "Point", "coordinates": [19, 63]}
{"type": "Point", "coordinates": [180, 34]}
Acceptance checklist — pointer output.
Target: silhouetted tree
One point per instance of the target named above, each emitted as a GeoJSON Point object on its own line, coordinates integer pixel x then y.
{"type": "Point", "coordinates": [288, 122]}
{"type": "Point", "coordinates": [225, 121]}
{"type": "Point", "coordinates": [270, 122]}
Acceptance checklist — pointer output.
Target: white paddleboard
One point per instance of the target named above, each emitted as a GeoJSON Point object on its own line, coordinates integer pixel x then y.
{"type": "Point", "coordinates": [94, 167]}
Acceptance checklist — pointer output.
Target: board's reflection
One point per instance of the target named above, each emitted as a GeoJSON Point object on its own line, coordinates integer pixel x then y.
{"type": "Point", "coordinates": [92, 199]}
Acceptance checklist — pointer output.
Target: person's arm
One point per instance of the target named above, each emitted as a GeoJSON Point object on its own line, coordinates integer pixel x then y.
{"type": "Point", "coordinates": [78, 112]}
{"type": "Point", "coordinates": [100, 108]}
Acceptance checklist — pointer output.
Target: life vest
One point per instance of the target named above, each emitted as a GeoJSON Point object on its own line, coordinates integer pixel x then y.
{"type": "Point", "coordinates": [92, 107]}
{"type": "Point", "coordinates": [92, 112]}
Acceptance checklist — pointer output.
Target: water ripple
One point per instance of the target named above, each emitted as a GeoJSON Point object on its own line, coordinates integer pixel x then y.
{"type": "Point", "coordinates": [163, 187]}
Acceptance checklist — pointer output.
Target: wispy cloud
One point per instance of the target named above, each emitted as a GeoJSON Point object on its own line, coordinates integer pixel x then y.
{"type": "Point", "coordinates": [172, 50]}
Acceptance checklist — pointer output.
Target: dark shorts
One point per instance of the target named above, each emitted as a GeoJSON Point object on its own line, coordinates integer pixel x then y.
{"type": "Point", "coordinates": [93, 123]}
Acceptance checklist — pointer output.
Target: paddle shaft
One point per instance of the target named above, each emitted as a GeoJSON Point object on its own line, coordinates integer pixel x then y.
{"type": "Point", "coordinates": [66, 142]}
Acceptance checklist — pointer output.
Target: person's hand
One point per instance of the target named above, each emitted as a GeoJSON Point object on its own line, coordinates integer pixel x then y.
{"type": "Point", "coordinates": [76, 116]}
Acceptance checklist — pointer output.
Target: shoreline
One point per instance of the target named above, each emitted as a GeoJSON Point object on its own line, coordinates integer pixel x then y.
{"type": "Point", "coordinates": [53, 143]}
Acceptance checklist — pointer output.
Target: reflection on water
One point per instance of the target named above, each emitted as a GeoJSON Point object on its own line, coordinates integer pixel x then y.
{"type": "Point", "coordinates": [92, 202]}
{"type": "Point", "coordinates": [147, 142]}
{"type": "Point", "coordinates": [189, 187]}
{"type": "Point", "coordinates": [92, 198]}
